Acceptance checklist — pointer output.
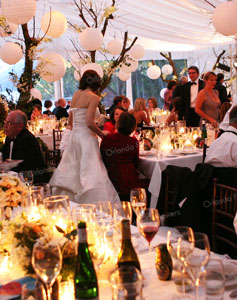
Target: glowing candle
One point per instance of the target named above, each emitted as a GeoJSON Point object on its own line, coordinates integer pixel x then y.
{"type": "Point", "coordinates": [66, 290]}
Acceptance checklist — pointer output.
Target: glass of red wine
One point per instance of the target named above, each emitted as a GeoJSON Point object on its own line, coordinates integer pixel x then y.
{"type": "Point", "coordinates": [148, 223]}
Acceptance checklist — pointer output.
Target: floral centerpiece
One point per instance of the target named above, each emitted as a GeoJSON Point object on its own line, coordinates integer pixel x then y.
{"type": "Point", "coordinates": [19, 234]}
{"type": "Point", "coordinates": [13, 191]}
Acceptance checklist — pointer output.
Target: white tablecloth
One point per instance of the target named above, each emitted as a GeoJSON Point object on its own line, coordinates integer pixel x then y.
{"type": "Point", "coordinates": [47, 139]}
{"type": "Point", "coordinates": [152, 168]}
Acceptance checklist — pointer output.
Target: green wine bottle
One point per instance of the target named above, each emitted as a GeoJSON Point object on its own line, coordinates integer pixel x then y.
{"type": "Point", "coordinates": [127, 255]}
{"type": "Point", "coordinates": [85, 280]}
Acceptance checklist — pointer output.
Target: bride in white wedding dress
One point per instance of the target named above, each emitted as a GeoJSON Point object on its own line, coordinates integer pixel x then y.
{"type": "Point", "coordinates": [81, 173]}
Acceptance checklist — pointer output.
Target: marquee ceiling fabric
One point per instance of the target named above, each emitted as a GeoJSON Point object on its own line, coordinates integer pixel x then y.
{"type": "Point", "coordinates": [161, 25]}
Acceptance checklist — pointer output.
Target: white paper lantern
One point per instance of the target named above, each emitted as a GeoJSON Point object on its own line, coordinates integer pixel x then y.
{"type": "Point", "coordinates": [153, 72]}
{"type": "Point", "coordinates": [93, 66]}
{"type": "Point", "coordinates": [54, 23]}
{"type": "Point", "coordinates": [91, 39]}
{"type": "Point", "coordinates": [167, 69]}
{"type": "Point", "coordinates": [77, 75]}
{"type": "Point", "coordinates": [130, 66]}
{"type": "Point", "coordinates": [114, 47]}
{"type": "Point", "coordinates": [54, 66]}
{"type": "Point", "coordinates": [224, 18]}
{"type": "Point", "coordinates": [76, 61]}
{"type": "Point", "coordinates": [162, 93]}
{"type": "Point", "coordinates": [9, 29]}
{"type": "Point", "coordinates": [11, 53]}
{"type": "Point", "coordinates": [36, 93]}
{"type": "Point", "coordinates": [18, 11]}
{"type": "Point", "coordinates": [124, 76]}
{"type": "Point", "coordinates": [137, 51]}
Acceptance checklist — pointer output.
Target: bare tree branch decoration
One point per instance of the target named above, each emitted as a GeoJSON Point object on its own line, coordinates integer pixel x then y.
{"type": "Point", "coordinates": [171, 62]}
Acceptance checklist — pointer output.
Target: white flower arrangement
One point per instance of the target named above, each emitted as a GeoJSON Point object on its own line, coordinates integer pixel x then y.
{"type": "Point", "coordinates": [13, 191]}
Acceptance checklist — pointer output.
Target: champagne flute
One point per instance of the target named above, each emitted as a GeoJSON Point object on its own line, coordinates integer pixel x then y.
{"type": "Point", "coordinates": [138, 199]}
{"type": "Point", "coordinates": [148, 223]}
{"type": "Point", "coordinates": [198, 259]}
{"type": "Point", "coordinates": [47, 263]}
{"type": "Point", "coordinates": [180, 244]}
{"type": "Point", "coordinates": [27, 177]}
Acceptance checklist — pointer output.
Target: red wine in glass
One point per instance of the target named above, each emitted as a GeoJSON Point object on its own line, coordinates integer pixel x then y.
{"type": "Point", "coordinates": [149, 232]}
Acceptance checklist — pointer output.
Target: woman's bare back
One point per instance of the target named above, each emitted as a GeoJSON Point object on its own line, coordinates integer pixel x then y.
{"type": "Point", "coordinates": [82, 98]}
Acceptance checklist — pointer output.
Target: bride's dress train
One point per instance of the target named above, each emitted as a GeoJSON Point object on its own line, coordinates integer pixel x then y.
{"type": "Point", "coordinates": [81, 173]}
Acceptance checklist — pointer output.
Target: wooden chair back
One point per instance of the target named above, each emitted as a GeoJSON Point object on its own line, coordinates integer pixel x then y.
{"type": "Point", "coordinates": [224, 238]}
{"type": "Point", "coordinates": [52, 158]}
{"type": "Point", "coordinates": [57, 136]}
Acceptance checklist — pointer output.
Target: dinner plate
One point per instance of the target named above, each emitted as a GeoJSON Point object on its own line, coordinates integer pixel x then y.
{"type": "Point", "coordinates": [189, 153]}
{"type": "Point", "coordinates": [147, 153]}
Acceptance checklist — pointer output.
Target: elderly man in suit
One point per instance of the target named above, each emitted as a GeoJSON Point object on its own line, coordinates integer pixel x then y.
{"type": "Point", "coordinates": [21, 144]}
{"type": "Point", "coordinates": [189, 94]}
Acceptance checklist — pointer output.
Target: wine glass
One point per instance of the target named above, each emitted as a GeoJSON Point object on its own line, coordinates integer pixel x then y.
{"type": "Point", "coordinates": [47, 262]}
{"type": "Point", "coordinates": [138, 199]}
{"type": "Point", "coordinates": [27, 177]}
{"type": "Point", "coordinates": [198, 259]}
{"type": "Point", "coordinates": [180, 244]}
{"type": "Point", "coordinates": [148, 223]}
{"type": "Point", "coordinates": [123, 210]}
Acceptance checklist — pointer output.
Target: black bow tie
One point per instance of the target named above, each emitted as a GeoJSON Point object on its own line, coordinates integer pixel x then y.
{"type": "Point", "coordinates": [191, 83]}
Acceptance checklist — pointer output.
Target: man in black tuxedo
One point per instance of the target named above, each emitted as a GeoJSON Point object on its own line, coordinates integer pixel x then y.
{"type": "Point", "coordinates": [189, 94]}
{"type": "Point", "coordinates": [60, 111]}
{"type": "Point", "coordinates": [21, 144]}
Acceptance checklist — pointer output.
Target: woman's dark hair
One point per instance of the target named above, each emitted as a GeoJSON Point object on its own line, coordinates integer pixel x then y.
{"type": "Point", "coordinates": [153, 100]}
{"type": "Point", "coordinates": [219, 77]}
{"type": "Point", "coordinates": [117, 99]}
{"type": "Point", "coordinates": [39, 107]}
{"type": "Point", "coordinates": [90, 79]}
{"type": "Point", "coordinates": [176, 103]}
{"type": "Point", "coordinates": [112, 114]}
{"type": "Point", "coordinates": [48, 104]}
{"type": "Point", "coordinates": [126, 123]}
{"type": "Point", "coordinates": [171, 83]}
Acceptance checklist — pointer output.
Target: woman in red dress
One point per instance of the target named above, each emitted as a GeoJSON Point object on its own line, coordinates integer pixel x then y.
{"type": "Point", "coordinates": [110, 126]}
{"type": "Point", "coordinates": [120, 154]}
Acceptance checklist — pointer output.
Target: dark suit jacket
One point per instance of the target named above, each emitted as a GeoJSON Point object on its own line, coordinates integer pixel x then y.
{"type": "Point", "coordinates": [60, 112]}
{"type": "Point", "coordinates": [26, 147]}
{"type": "Point", "coordinates": [222, 92]}
{"type": "Point", "coordinates": [185, 99]}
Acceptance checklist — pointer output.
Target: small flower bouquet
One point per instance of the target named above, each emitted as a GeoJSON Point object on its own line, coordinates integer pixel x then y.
{"type": "Point", "coordinates": [13, 191]}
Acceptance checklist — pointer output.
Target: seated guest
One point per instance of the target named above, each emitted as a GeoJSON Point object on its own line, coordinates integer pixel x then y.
{"type": "Point", "coordinates": [125, 103]}
{"type": "Point", "coordinates": [47, 105]}
{"type": "Point", "coordinates": [221, 88]}
{"type": "Point", "coordinates": [140, 112]}
{"type": "Point", "coordinates": [223, 151]}
{"type": "Point", "coordinates": [152, 103]}
{"type": "Point", "coordinates": [174, 114]}
{"type": "Point", "coordinates": [116, 102]}
{"type": "Point", "coordinates": [110, 126]}
{"type": "Point", "coordinates": [21, 144]}
{"type": "Point", "coordinates": [225, 123]}
{"type": "Point", "coordinates": [60, 111]}
{"type": "Point", "coordinates": [36, 113]}
{"type": "Point", "coordinates": [120, 154]}
{"type": "Point", "coordinates": [169, 94]}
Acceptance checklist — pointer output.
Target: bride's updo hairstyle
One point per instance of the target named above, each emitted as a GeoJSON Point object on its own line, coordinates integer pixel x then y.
{"type": "Point", "coordinates": [90, 79]}
{"type": "Point", "coordinates": [126, 123]}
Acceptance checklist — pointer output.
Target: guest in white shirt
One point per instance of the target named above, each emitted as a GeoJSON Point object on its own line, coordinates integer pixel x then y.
{"type": "Point", "coordinates": [235, 223]}
{"type": "Point", "coordinates": [223, 151]}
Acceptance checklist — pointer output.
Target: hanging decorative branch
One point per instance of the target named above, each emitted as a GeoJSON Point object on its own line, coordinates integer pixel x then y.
{"type": "Point", "coordinates": [218, 60]}
{"type": "Point", "coordinates": [92, 16]}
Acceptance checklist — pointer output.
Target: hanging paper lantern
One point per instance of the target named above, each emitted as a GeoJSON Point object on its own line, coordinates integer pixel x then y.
{"type": "Point", "coordinates": [36, 93]}
{"type": "Point", "coordinates": [93, 66]}
{"type": "Point", "coordinates": [54, 24]}
{"type": "Point", "coordinates": [124, 76]}
{"type": "Point", "coordinates": [137, 51]}
{"type": "Point", "coordinates": [76, 61]}
{"type": "Point", "coordinates": [130, 66]}
{"type": "Point", "coordinates": [224, 18]}
{"type": "Point", "coordinates": [115, 47]}
{"type": "Point", "coordinates": [53, 66]}
{"type": "Point", "coordinates": [153, 72]}
{"type": "Point", "coordinates": [11, 53]}
{"type": "Point", "coordinates": [6, 28]}
{"type": "Point", "coordinates": [162, 93]}
{"type": "Point", "coordinates": [167, 69]}
{"type": "Point", "coordinates": [18, 11]}
{"type": "Point", "coordinates": [91, 39]}
{"type": "Point", "coordinates": [77, 75]}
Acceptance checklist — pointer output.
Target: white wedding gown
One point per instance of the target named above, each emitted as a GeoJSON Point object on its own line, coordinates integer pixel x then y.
{"type": "Point", "coordinates": [81, 173]}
